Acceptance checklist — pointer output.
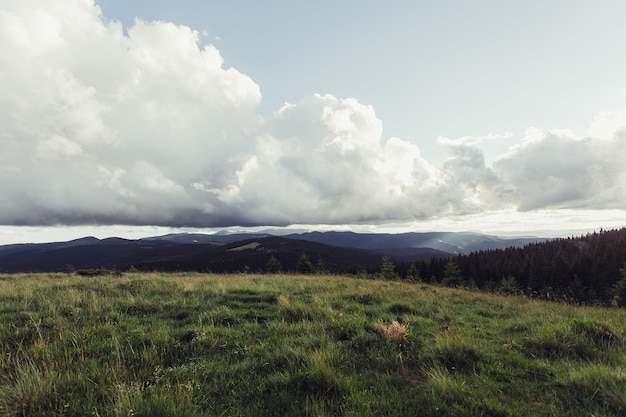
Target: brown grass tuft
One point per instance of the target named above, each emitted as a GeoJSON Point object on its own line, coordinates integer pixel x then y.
{"type": "Point", "coordinates": [393, 331]}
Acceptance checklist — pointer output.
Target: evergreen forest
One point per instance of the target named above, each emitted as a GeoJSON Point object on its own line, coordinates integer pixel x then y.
{"type": "Point", "coordinates": [588, 269]}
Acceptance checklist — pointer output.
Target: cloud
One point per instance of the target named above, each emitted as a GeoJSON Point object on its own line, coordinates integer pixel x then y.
{"type": "Point", "coordinates": [556, 169]}
{"type": "Point", "coordinates": [147, 127]}
{"type": "Point", "coordinates": [473, 186]}
{"type": "Point", "coordinates": [322, 160]}
{"type": "Point", "coordinates": [102, 126]}
{"type": "Point", "coordinates": [472, 140]}
{"type": "Point", "coordinates": [607, 124]}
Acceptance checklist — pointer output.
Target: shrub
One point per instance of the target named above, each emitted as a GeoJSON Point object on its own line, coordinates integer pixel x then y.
{"type": "Point", "coordinates": [95, 272]}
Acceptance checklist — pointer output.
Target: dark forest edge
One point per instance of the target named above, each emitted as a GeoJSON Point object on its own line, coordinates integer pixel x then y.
{"type": "Point", "coordinates": [589, 269]}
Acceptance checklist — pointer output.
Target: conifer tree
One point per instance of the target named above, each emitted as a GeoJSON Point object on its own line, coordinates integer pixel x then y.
{"type": "Point", "coordinates": [413, 274]}
{"type": "Point", "coordinates": [620, 289]}
{"type": "Point", "coordinates": [319, 266]}
{"type": "Point", "coordinates": [273, 266]}
{"type": "Point", "coordinates": [304, 266]}
{"type": "Point", "coordinates": [451, 275]}
{"type": "Point", "coordinates": [388, 269]}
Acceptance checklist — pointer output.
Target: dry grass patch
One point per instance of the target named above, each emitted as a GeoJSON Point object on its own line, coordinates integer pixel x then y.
{"type": "Point", "coordinates": [283, 301]}
{"type": "Point", "coordinates": [394, 331]}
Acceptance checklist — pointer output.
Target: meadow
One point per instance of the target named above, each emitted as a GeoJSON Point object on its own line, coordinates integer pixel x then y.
{"type": "Point", "coordinates": [151, 344]}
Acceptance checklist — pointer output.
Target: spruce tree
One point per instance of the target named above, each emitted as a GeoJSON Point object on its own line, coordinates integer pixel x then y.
{"type": "Point", "coordinates": [320, 268]}
{"type": "Point", "coordinates": [304, 266]}
{"type": "Point", "coordinates": [413, 274]}
{"type": "Point", "coordinates": [388, 269]}
{"type": "Point", "coordinates": [620, 289]}
{"type": "Point", "coordinates": [451, 275]}
{"type": "Point", "coordinates": [273, 266]}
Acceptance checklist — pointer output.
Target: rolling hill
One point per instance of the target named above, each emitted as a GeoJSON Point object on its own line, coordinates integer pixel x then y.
{"type": "Point", "coordinates": [337, 251]}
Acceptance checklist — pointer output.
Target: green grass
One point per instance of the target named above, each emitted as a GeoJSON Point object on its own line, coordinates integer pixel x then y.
{"type": "Point", "coordinates": [241, 345]}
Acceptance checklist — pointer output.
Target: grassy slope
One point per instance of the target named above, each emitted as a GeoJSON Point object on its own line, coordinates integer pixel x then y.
{"type": "Point", "coordinates": [187, 345]}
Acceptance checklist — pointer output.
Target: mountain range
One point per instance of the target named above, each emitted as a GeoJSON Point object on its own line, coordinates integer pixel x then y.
{"type": "Point", "coordinates": [343, 252]}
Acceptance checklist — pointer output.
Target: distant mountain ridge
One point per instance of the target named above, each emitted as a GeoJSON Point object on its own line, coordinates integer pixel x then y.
{"type": "Point", "coordinates": [447, 242]}
{"type": "Point", "coordinates": [338, 251]}
{"type": "Point", "coordinates": [399, 245]}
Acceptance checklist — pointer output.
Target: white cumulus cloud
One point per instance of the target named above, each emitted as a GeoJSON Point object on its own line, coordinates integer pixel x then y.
{"type": "Point", "coordinates": [103, 126]}
{"type": "Point", "coordinates": [556, 170]}
{"type": "Point", "coordinates": [147, 127]}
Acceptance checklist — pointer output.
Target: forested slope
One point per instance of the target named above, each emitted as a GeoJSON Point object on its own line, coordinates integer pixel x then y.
{"type": "Point", "coordinates": [585, 268]}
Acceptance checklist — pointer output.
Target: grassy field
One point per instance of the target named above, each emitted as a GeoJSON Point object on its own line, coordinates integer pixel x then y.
{"type": "Point", "coordinates": [279, 345]}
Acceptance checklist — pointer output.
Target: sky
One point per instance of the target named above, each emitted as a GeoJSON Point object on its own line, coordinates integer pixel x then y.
{"type": "Point", "coordinates": [138, 118]}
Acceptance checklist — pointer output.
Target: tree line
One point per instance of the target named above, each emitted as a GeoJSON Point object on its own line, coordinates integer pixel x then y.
{"type": "Point", "coordinates": [585, 269]}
